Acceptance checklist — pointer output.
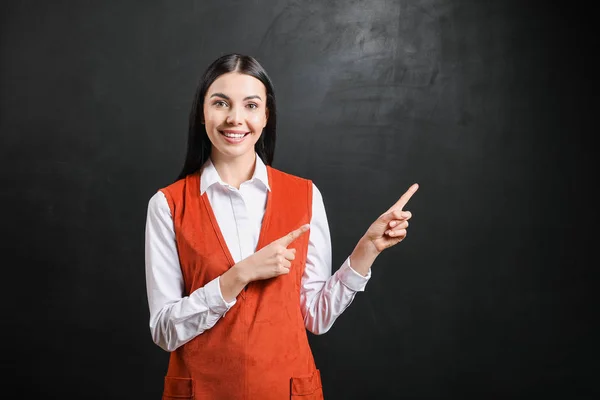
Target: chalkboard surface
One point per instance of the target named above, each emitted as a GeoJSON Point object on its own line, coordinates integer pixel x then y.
{"type": "Point", "coordinates": [487, 105]}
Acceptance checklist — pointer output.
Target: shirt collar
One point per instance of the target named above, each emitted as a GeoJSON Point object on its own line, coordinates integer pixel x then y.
{"type": "Point", "coordinates": [209, 175]}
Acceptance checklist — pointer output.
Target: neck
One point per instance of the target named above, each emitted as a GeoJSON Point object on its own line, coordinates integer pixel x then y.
{"type": "Point", "coordinates": [234, 171]}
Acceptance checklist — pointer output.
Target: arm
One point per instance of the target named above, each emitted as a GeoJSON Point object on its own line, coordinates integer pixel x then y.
{"type": "Point", "coordinates": [174, 319]}
{"type": "Point", "coordinates": [324, 297]}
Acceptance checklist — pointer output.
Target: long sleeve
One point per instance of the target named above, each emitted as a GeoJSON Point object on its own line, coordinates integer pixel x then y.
{"type": "Point", "coordinates": [174, 319]}
{"type": "Point", "coordinates": [323, 296]}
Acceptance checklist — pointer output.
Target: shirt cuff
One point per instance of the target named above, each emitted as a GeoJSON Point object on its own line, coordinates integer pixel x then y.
{"type": "Point", "coordinates": [214, 298]}
{"type": "Point", "coordinates": [352, 279]}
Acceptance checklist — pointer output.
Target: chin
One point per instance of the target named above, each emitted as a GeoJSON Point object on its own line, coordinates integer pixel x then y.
{"type": "Point", "coordinates": [235, 153]}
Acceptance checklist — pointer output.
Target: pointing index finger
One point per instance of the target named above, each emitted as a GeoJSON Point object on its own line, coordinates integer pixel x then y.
{"type": "Point", "coordinates": [405, 197]}
{"type": "Point", "coordinates": [293, 235]}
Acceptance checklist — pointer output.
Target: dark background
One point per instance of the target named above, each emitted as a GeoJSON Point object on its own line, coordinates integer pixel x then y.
{"type": "Point", "coordinates": [488, 105]}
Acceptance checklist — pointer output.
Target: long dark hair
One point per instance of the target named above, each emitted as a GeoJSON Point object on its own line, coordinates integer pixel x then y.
{"type": "Point", "coordinates": [199, 145]}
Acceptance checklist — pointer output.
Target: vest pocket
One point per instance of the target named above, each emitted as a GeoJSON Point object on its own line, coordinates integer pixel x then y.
{"type": "Point", "coordinates": [178, 389]}
{"type": "Point", "coordinates": [307, 387]}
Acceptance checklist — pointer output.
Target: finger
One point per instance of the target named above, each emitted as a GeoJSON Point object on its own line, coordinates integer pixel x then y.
{"type": "Point", "coordinates": [293, 235]}
{"type": "Point", "coordinates": [396, 233]}
{"type": "Point", "coordinates": [404, 216]}
{"type": "Point", "coordinates": [402, 226]}
{"type": "Point", "coordinates": [398, 224]}
{"type": "Point", "coordinates": [395, 215]}
{"type": "Point", "coordinates": [283, 271]}
{"type": "Point", "coordinates": [290, 254]}
{"type": "Point", "coordinates": [282, 265]}
{"type": "Point", "coordinates": [405, 197]}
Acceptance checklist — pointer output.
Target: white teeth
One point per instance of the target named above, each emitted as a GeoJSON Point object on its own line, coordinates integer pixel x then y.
{"type": "Point", "coordinates": [235, 135]}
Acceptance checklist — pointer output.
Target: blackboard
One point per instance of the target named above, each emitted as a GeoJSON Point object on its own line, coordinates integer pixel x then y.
{"type": "Point", "coordinates": [487, 105]}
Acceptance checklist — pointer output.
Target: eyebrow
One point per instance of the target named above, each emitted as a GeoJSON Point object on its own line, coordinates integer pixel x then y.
{"type": "Point", "coordinates": [227, 97]}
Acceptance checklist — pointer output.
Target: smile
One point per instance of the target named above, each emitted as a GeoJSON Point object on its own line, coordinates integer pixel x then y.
{"type": "Point", "coordinates": [234, 136]}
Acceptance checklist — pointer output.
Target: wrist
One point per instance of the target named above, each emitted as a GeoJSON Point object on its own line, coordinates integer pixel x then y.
{"type": "Point", "coordinates": [240, 274]}
{"type": "Point", "coordinates": [366, 248]}
{"type": "Point", "coordinates": [363, 256]}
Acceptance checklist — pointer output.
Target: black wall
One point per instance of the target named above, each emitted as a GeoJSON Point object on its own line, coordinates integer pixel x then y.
{"type": "Point", "coordinates": [488, 105]}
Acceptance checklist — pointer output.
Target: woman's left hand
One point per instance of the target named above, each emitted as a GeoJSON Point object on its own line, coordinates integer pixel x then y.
{"type": "Point", "coordinates": [391, 227]}
{"type": "Point", "coordinates": [388, 230]}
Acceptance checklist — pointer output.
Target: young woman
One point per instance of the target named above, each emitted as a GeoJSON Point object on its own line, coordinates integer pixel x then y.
{"type": "Point", "coordinates": [238, 254]}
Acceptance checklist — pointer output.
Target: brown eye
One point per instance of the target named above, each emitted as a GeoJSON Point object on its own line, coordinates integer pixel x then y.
{"type": "Point", "coordinates": [220, 103]}
{"type": "Point", "coordinates": [252, 106]}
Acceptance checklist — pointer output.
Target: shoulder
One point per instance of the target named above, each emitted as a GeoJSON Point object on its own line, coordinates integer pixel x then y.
{"type": "Point", "coordinates": [177, 191]}
{"type": "Point", "coordinates": [293, 187]}
{"type": "Point", "coordinates": [287, 178]}
{"type": "Point", "coordinates": [158, 205]}
{"type": "Point", "coordinates": [174, 187]}
{"type": "Point", "coordinates": [284, 176]}
{"type": "Point", "coordinates": [171, 196]}
{"type": "Point", "coordinates": [156, 199]}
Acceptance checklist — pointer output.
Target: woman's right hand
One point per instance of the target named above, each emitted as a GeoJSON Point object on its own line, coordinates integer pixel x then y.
{"type": "Point", "coordinates": [272, 260]}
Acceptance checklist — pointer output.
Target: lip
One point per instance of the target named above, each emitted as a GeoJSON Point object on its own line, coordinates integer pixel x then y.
{"type": "Point", "coordinates": [232, 131]}
{"type": "Point", "coordinates": [234, 140]}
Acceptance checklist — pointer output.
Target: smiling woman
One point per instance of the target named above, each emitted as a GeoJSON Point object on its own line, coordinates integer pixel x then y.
{"type": "Point", "coordinates": [238, 254]}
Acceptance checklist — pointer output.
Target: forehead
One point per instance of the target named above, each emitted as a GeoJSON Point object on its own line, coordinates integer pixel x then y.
{"type": "Point", "coordinates": [234, 84]}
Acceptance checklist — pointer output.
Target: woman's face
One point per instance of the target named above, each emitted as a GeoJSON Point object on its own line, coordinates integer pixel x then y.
{"type": "Point", "coordinates": [235, 113]}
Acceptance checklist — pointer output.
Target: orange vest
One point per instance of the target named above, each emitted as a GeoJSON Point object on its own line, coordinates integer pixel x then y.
{"type": "Point", "coordinates": [259, 350]}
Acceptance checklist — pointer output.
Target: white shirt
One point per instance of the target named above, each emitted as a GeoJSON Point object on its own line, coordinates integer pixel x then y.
{"type": "Point", "coordinates": [176, 319]}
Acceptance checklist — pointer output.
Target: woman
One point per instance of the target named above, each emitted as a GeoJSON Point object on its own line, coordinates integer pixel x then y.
{"type": "Point", "coordinates": [238, 254]}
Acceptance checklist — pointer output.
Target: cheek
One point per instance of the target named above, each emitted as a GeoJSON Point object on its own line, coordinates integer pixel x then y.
{"type": "Point", "coordinates": [211, 116]}
{"type": "Point", "coordinates": [205, 116]}
{"type": "Point", "coordinates": [257, 120]}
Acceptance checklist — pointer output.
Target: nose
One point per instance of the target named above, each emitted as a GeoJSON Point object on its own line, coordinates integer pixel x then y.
{"type": "Point", "coordinates": [234, 117]}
